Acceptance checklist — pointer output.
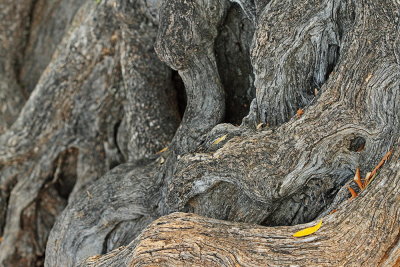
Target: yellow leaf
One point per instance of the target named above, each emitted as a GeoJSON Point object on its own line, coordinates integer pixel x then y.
{"type": "Point", "coordinates": [219, 140]}
{"type": "Point", "coordinates": [162, 150]}
{"type": "Point", "coordinates": [308, 231]}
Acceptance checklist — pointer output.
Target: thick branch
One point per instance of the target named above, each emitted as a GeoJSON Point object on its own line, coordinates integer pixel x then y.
{"type": "Point", "coordinates": [77, 105]}
{"type": "Point", "coordinates": [299, 166]}
{"type": "Point", "coordinates": [151, 111]}
{"type": "Point", "coordinates": [12, 41]}
{"type": "Point", "coordinates": [186, 43]}
{"type": "Point", "coordinates": [366, 229]}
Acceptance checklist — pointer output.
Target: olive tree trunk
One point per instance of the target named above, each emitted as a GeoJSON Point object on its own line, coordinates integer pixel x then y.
{"type": "Point", "coordinates": [199, 133]}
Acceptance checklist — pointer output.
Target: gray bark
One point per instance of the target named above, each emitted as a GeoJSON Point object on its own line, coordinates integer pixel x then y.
{"type": "Point", "coordinates": [80, 173]}
{"type": "Point", "coordinates": [78, 104]}
{"type": "Point", "coordinates": [30, 32]}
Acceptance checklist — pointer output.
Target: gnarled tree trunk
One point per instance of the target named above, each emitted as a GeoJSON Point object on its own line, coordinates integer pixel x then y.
{"type": "Point", "coordinates": [91, 90]}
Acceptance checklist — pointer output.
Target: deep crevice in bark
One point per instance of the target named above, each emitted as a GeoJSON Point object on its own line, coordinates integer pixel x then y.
{"type": "Point", "coordinates": [65, 175]}
{"type": "Point", "coordinates": [180, 92]}
{"type": "Point", "coordinates": [232, 49]}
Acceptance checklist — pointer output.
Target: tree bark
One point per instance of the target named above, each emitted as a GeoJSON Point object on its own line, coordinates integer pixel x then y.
{"type": "Point", "coordinates": [82, 183]}
{"type": "Point", "coordinates": [364, 231]}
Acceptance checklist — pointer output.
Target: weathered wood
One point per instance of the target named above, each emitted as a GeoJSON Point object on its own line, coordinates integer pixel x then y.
{"type": "Point", "coordinates": [287, 175]}
{"type": "Point", "coordinates": [105, 99]}
{"type": "Point", "coordinates": [30, 32]}
{"type": "Point", "coordinates": [51, 123]}
{"type": "Point", "coordinates": [290, 174]}
{"type": "Point", "coordinates": [232, 50]}
{"type": "Point", "coordinates": [49, 22]}
{"type": "Point", "coordinates": [291, 63]}
{"type": "Point", "coordinates": [188, 46]}
{"type": "Point", "coordinates": [364, 231]}
{"type": "Point", "coordinates": [128, 197]}
{"type": "Point", "coordinates": [78, 104]}
{"type": "Point", "coordinates": [13, 39]}
{"type": "Point", "coordinates": [147, 82]}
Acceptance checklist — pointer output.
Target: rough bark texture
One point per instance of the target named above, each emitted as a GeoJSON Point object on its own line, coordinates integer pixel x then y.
{"type": "Point", "coordinates": [82, 120]}
{"type": "Point", "coordinates": [30, 32]}
{"type": "Point", "coordinates": [78, 104]}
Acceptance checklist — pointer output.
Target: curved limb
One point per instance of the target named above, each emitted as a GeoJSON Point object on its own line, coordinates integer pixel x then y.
{"type": "Point", "coordinates": [185, 42]}
{"type": "Point", "coordinates": [300, 165]}
{"type": "Point", "coordinates": [110, 213]}
{"type": "Point", "coordinates": [362, 230]}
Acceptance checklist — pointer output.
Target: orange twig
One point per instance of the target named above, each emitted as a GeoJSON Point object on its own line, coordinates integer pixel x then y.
{"type": "Point", "coordinates": [299, 113]}
{"type": "Point", "coordinates": [380, 164]}
{"type": "Point", "coordinates": [357, 179]}
{"type": "Point", "coordinates": [352, 192]}
{"type": "Point", "coordinates": [333, 211]}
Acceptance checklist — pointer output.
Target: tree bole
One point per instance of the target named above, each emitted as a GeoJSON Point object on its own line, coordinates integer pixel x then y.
{"type": "Point", "coordinates": [84, 178]}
